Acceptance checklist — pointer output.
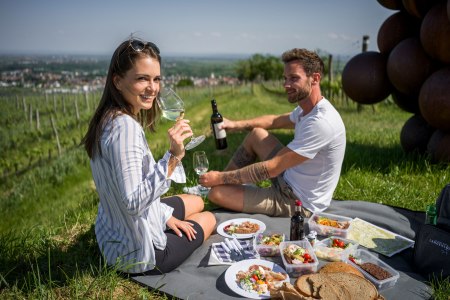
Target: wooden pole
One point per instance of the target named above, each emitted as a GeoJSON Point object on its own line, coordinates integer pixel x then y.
{"type": "Point", "coordinates": [365, 43]}
{"type": "Point", "coordinates": [38, 123]}
{"type": "Point", "coordinates": [55, 131]}
{"type": "Point", "coordinates": [24, 102]}
{"type": "Point", "coordinates": [330, 74]}
{"type": "Point", "coordinates": [31, 116]}
{"type": "Point", "coordinates": [76, 109]}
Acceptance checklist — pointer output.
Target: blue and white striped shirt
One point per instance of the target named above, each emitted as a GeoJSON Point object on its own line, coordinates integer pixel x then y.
{"type": "Point", "coordinates": [131, 219]}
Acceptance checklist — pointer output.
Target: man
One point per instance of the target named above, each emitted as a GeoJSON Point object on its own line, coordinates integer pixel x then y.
{"type": "Point", "coordinates": [308, 168]}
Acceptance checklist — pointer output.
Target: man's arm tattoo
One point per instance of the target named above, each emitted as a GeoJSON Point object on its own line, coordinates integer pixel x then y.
{"type": "Point", "coordinates": [242, 157]}
{"type": "Point", "coordinates": [253, 173]}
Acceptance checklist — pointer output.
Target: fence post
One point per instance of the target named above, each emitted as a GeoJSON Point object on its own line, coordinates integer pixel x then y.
{"type": "Point", "coordinates": [365, 44]}
{"type": "Point", "coordinates": [55, 131]}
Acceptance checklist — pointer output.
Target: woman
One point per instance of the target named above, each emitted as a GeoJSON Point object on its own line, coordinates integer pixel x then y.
{"type": "Point", "coordinates": [135, 228]}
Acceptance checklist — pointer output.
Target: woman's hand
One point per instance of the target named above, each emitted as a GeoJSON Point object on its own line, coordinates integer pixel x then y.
{"type": "Point", "coordinates": [177, 134]}
{"type": "Point", "coordinates": [177, 226]}
{"type": "Point", "coordinates": [210, 179]}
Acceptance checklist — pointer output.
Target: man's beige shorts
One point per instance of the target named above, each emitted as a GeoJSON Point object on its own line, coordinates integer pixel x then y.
{"type": "Point", "coordinates": [276, 200]}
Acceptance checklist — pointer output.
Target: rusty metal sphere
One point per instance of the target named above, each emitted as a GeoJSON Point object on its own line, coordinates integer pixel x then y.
{"type": "Point", "coordinates": [418, 8]}
{"type": "Point", "coordinates": [396, 28]}
{"type": "Point", "coordinates": [415, 134]}
{"type": "Point", "coordinates": [406, 102]}
{"type": "Point", "coordinates": [439, 147]}
{"type": "Point", "coordinates": [448, 9]}
{"type": "Point", "coordinates": [435, 33]}
{"type": "Point", "coordinates": [408, 66]}
{"type": "Point", "coordinates": [364, 78]}
{"type": "Point", "coordinates": [434, 99]}
{"type": "Point", "coordinates": [391, 4]}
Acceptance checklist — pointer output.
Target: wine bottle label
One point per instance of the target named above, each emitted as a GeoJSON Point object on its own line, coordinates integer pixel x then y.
{"type": "Point", "coordinates": [220, 133]}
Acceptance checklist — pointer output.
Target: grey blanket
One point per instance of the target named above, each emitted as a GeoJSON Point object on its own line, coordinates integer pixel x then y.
{"type": "Point", "coordinates": [195, 279]}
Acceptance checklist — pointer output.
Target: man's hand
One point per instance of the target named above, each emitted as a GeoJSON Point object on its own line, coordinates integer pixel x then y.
{"type": "Point", "coordinates": [210, 179]}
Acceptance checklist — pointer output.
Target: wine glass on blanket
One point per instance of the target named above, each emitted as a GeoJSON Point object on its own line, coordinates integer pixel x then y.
{"type": "Point", "coordinates": [201, 165]}
{"type": "Point", "coordinates": [173, 109]}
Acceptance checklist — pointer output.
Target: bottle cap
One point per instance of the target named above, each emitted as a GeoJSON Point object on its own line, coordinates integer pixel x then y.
{"type": "Point", "coordinates": [431, 208]}
{"type": "Point", "coordinates": [298, 203]}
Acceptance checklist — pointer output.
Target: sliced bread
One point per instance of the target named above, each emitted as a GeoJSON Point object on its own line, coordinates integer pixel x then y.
{"type": "Point", "coordinates": [359, 288]}
{"type": "Point", "coordinates": [321, 286]}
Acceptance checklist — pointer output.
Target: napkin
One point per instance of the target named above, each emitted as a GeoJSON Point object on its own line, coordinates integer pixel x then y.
{"type": "Point", "coordinates": [220, 257]}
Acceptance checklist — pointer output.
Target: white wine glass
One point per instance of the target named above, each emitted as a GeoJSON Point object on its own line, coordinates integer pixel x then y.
{"type": "Point", "coordinates": [201, 165]}
{"type": "Point", "coordinates": [173, 109]}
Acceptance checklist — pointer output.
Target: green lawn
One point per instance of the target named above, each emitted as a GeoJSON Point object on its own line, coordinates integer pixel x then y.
{"type": "Point", "coordinates": [47, 242]}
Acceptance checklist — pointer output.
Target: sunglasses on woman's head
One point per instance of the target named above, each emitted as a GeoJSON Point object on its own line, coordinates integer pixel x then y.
{"type": "Point", "coordinates": [138, 45]}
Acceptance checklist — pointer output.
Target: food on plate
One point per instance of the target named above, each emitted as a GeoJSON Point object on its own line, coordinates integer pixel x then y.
{"type": "Point", "coordinates": [324, 221]}
{"type": "Point", "coordinates": [338, 285]}
{"type": "Point", "coordinates": [242, 228]}
{"type": "Point", "coordinates": [259, 279]}
{"type": "Point", "coordinates": [296, 255]}
{"type": "Point", "coordinates": [338, 266]}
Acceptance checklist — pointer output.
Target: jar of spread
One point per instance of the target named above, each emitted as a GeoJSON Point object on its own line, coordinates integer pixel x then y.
{"type": "Point", "coordinates": [312, 237]}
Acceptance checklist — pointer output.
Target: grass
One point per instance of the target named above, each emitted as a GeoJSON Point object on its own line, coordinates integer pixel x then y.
{"type": "Point", "coordinates": [47, 242]}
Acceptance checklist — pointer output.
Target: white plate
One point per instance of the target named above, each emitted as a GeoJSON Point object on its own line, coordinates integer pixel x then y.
{"type": "Point", "coordinates": [222, 225]}
{"type": "Point", "coordinates": [230, 276]}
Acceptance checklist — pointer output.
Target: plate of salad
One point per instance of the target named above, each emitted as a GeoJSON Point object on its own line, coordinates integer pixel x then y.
{"type": "Point", "coordinates": [241, 228]}
{"type": "Point", "coordinates": [252, 278]}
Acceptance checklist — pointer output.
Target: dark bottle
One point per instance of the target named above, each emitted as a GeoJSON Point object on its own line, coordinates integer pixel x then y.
{"type": "Point", "coordinates": [297, 230]}
{"type": "Point", "coordinates": [431, 217]}
{"type": "Point", "coordinates": [220, 135]}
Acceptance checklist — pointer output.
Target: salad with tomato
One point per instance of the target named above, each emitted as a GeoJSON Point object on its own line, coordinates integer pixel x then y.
{"type": "Point", "coordinates": [334, 248]}
{"type": "Point", "coordinates": [294, 254]}
{"type": "Point", "coordinates": [259, 279]}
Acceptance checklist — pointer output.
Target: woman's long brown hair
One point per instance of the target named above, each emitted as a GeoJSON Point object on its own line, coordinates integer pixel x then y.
{"type": "Point", "coordinates": [112, 102]}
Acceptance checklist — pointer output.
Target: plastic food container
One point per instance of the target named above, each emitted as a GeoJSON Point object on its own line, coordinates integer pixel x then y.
{"type": "Point", "coordinates": [364, 256]}
{"type": "Point", "coordinates": [296, 270]}
{"type": "Point", "coordinates": [329, 230]}
{"type": "Point", "coordinates": [267, 250]}
{"type": "Point", "coordinates": [324, 249]}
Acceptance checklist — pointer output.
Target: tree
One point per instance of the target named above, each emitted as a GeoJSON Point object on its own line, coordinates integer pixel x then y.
{"type": "Point", "coordinates": [185, 82]}
{"type": "Point", "coordinates": [260, 67]}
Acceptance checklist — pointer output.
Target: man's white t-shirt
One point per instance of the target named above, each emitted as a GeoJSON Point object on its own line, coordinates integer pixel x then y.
{"type": "Point", "coordinates": [319, 136]}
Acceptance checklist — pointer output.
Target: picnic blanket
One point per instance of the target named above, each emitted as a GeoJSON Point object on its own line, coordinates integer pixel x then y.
{"type": "Point", "coordinates": [197, 278]}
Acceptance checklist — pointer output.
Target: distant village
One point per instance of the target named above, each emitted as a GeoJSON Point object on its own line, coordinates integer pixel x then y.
{"type": "Point", "coordinates": [31, 74]}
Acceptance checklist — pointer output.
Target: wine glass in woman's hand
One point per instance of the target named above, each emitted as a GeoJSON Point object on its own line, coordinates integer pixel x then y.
{"type": "Point", "coordinates": [173, 109]}
{"type": "Point", "coordinates": [201, 165]}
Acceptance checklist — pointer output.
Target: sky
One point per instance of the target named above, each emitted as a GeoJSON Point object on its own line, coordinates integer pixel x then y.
{"type": "Point", "coordinates": [190, 27]}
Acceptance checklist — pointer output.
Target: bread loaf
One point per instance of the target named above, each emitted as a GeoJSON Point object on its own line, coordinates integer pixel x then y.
{"type": "Point", "coordinates": [339, 266]}
{"type": "Point", "coordinates": [359, 288]}
{"type": "Point", "coordinates": [337, 285]}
